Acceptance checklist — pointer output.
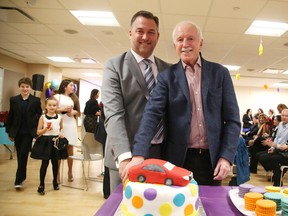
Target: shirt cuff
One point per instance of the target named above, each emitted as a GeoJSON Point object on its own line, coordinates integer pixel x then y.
{"type": "Point", "coordinates": [123, 157]}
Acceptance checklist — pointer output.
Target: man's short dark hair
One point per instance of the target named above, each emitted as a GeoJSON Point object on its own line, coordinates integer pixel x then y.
{"type": "Point", "coordinates": [25, 80]}
{"type": "Point", "coordinates": [145, 14]}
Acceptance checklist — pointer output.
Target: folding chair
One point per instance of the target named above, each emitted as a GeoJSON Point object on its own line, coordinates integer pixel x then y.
{"type": "Point", "coordinates": [282, 168]}
{"type": "Point", "coordinates": [91, 150]}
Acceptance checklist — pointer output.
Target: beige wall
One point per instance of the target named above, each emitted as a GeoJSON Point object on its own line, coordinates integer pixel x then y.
{"type": "Point", "coordinates": [13, 64]}
{"type": "Point", "coordinates": [15, 69]}
{"type": "Point", "coordinates": [255, 98]}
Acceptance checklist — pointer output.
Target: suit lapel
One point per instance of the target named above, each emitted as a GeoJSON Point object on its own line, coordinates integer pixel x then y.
{"type": "Point", "coordinates": [134, 69]}
{"type": "Point", "coordinates": [18, 100]}
{"type": "Point", "coordinates": [205, 79]}
{"type": "Point", "coordinates": [181, 77]}
{"type": "Point", "coordinates": [30, 100]}
{"type": "Point", "coordinates": [160, 67]}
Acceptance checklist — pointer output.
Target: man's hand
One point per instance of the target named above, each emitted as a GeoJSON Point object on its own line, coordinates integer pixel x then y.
{"type": "Point", "coordinates": [135, 161]}
{"type": "Point", "coordinates": [122, 166]}
{"type": "Point", "coordinates": [270, 150]}
{"type": "Point", "coordinates": [222, 169]}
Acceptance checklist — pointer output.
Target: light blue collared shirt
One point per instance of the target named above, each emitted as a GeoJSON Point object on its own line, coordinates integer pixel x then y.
{"type": "Point", "coordinates": [282, 134]}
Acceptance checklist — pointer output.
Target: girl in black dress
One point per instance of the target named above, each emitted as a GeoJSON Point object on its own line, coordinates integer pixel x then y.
{"type": "Point", "coordinates": [49, 128]}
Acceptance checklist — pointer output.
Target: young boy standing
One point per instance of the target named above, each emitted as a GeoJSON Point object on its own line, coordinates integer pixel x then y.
{"type": "Point", "coordinates": [25, 111]}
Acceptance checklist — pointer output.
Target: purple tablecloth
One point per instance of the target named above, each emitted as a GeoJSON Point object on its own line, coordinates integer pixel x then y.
{"type": "Point", "coordinates": [215, 200]}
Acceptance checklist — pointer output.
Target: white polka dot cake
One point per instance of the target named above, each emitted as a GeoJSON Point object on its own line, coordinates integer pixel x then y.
{"type": "Point", "coordinates": [157, 187]}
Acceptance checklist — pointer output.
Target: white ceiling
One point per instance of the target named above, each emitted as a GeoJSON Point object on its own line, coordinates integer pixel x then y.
{"type": "Point", "coordinates": [223, 23]}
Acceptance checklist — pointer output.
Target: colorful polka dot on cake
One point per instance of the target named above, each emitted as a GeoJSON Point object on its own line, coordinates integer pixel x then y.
{"type": "Point", "coordinates": [150, 194]}
{"type": "Point", "coordinates": [165, 209]}
{"type": "Point", "coordinates": [179, 200]}
{"type": "Point", "coordinates": [128, 192]}
{"type": "Point", "coordinates": [194, 189]}
{"type": "Point", "coordinates": [137, 202]}
{"type": "Point", "coordinates": [189, 210]}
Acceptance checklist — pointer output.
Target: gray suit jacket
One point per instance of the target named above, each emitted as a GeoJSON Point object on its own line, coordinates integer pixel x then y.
{"type": "Point", "coordinates": [171, 98]}
{"type": "Point", "coordinates": [124, 95]}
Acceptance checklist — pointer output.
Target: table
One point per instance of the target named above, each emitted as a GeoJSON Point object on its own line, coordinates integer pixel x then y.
{"type": "Point", "coordinates": [215, 200]}
{"type": "Point", "coordinates": [4, 140]}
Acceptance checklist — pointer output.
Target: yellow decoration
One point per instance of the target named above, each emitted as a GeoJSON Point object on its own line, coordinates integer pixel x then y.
{"type": "Point", "coordinates": [260, 48]}
{"type": "Point", "coordinates": [47, 84]}
{"type": "Point", "coordinates": [265, 86]}
{"type": "Point", "coordinates": [237, 76]}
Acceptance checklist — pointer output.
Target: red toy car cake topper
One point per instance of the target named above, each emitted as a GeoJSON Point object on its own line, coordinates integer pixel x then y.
{"type": "Point", "coordinates": [158, 171]}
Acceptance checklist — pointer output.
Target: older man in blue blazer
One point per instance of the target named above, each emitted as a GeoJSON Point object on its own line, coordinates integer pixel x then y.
{"type": "Point", "coordinates": [197, 100]}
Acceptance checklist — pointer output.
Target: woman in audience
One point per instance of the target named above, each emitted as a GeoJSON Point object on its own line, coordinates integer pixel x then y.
{"type": "Point", "coordinates": [248, 135]}
{"type": "Point", "coordinates": [247, 120]}
{"type": "Point", "coordinates": [255, 144]}
{"type": "Point", "coordinates": [69, 108]}
{"type": "Point", "coordinates": [260, 111]}
{"type": "Point", "coordinates": [271, 117]}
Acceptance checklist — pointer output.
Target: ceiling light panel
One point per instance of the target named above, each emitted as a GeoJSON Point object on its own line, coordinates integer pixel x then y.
{"type": "Point", "coordinates": [272, 71]}
{"type": "Point", "coordinates": [60, 59]}
{"type": "Point", "coordinates": [96, 18]}
{"type": "Point", "coordinates": [266, 28]}
{"type": "Point", "coordinates": [232, 67]}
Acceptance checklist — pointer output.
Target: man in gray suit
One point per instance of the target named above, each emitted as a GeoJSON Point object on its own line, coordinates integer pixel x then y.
{"type": "Point", "coordinates": [125, 93]}
{"type": "Point", "coordinates": [198, 101]}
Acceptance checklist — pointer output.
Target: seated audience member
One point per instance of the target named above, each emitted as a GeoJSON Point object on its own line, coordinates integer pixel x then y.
{"type": "Point", "coordinates": [281, 107]}
{"type": "Point", "coordinates": [263, 128]}
{"type": "Point", "coordinates": [247, 120]}
{"type": "Point", "coordinates": [272, 136]}
{"type": "Point", "coordinates": [255, 144]}
{"type": "Point", "coordinates": [274, 128]}
{"type": "Point", "coordinates": [248, 135]}
{"type": "Point", "coordinates": [260, 111]}
{"type": "Point", "coordinates": [270, 117]}
{"type": "Point", "coordinates": [276, 156]}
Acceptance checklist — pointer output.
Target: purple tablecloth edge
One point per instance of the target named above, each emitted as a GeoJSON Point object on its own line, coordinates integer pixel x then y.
{"type": "Point", "coordinates": [215, 200]}
{"type": "Point", "coordinates": [111, 203]}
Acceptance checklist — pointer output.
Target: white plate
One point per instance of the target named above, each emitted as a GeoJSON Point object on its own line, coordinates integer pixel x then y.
{"type": "Point", "coordinates": [239, 203]}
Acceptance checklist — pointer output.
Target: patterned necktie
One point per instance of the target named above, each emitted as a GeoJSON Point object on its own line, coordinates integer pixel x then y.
{"type": "Point", "coordinates": [150, 82]}
{"type": "Point", "coordinates": [148, 75]}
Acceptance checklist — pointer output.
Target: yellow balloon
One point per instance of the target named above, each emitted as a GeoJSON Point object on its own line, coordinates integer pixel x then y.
{"type": "Point", "coordinates": [238, 76]}
{"type": "Point", "coordinates": [47, 84]}
{"type": "Point", "coordinates": [265, 86]}
{"type": "Point", "coordinates": [260, 50]}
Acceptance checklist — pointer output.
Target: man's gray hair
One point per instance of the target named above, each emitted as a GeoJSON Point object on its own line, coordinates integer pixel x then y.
{"type": "Point", "coordinates": [186, 23]}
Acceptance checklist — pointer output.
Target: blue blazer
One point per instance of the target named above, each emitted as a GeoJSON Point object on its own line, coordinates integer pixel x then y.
{"type": "Point", "coordinates": [171, 99]}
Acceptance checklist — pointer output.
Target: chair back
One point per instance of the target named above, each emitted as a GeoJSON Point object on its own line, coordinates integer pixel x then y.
{"type": "Point", "coordinates": [91, 148]}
